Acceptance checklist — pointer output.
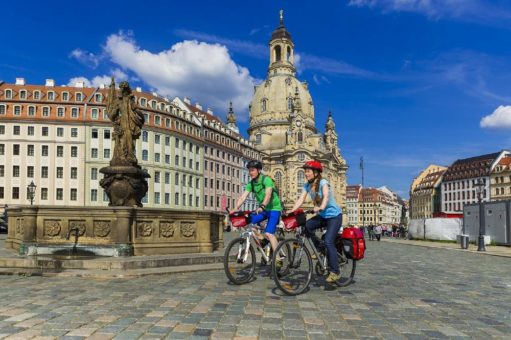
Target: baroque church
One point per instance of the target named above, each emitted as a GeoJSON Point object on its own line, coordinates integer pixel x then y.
{"type": "Point", "coordinates": [283, 127]}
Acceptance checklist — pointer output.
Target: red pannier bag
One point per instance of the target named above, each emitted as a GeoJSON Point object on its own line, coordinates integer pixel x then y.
{"type": "Point", "coordinates": [294, 220]}
{"type": "Point", "coordinates": [353, 243]}
{"type": "Point", "coordinates": [239, 219]}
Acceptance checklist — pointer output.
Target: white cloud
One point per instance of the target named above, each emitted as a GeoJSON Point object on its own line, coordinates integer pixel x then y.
{"type": "Point", "coordinates": [87, 58]}
{"type": "Point", "coordinates": [499, 119]}
{"type": "Point", "coordinates": [465, 10]}
{"type": "Point", "coordinates": [99, 80]}
{"type": "Point", "coordinates": [205, 72]}
{"type": "Point", "coordinates": [302, 61]}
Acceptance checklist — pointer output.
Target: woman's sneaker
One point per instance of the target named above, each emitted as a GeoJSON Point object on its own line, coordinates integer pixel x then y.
{"type": "Point", "coordinates": [333, 277]}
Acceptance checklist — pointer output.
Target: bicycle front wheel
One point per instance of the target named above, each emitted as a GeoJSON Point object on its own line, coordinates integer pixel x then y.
{"type": "Point", "coordinates": [239, 261]}
{"type": "Point", "coordinates": [294, 274]}
{"type": "Point", "coordinates": [347, 267]}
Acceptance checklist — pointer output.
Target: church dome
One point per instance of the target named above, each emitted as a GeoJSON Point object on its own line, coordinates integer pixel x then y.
{"type": "Point", "coordinates": [276, 97]}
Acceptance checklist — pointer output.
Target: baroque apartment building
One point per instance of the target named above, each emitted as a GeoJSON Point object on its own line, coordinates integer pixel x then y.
{"type": "Point", "coordinates": [425, 200]}
{"type": "Point", "coordinates": [373, 206]}
{"type": "Point", "coordinates": [353, 199]}
{"type": "Point", "coordinates": [225, 157]}
{"type": "Point", "coordinates": [458, 184]}
{"type": "Point", "coordinates": [500, 180]}
{"type": "Point", "coordinates": [60, 136]}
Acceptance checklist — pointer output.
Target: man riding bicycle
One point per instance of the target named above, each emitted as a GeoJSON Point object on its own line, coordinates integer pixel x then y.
{"type": "Point", "coordinates": [329, 214]}
{"type": "Point", "coordinates": [270, 206]}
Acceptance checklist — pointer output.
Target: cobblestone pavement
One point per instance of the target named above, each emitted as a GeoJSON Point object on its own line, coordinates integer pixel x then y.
{"type": "Point", "coordinates": [401, 292]}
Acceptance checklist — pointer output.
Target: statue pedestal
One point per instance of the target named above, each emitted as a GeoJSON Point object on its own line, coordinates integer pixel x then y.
{"type": "Point", "coordinates": [125, 185]}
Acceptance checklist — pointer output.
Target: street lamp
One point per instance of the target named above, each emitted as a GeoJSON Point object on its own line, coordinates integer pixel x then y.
{"type": "Point", "coordinates": [480, 242]}
{"type": "Point", "coordinates": [31, 192]}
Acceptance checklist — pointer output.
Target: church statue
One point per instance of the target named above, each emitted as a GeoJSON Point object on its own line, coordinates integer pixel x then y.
{"type": "Point", "coordinates": [124, 180]}
{"type": "Point", "coordinates": [128, 121]}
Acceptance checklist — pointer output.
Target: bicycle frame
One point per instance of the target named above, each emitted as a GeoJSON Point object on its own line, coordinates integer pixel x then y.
{"type": "Point", "coordinates": [248, 234]}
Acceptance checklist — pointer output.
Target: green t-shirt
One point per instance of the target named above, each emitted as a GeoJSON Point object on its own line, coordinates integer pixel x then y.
{"type": "Point", "coordinates": [260, 191]}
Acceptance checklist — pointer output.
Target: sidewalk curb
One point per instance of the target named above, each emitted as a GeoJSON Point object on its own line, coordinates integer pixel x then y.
{"type": "Point", "coordinates": [435, 246]}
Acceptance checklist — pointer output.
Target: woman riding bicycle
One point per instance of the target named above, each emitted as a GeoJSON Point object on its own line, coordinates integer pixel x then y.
{"type": "Point", "coordinates": [329, 214]}
{"type": "Point", "coordinates": [270, 206]}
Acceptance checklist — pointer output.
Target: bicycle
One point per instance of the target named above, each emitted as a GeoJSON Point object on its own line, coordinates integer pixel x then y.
{"type": "Point", "coordinates": [295, 275]}
{"type": "Point", "coordinates": [240, 256]}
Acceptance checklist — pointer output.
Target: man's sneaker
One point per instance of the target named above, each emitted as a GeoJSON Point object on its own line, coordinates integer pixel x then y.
{"type": "Point", "coordinates": [333, 277]}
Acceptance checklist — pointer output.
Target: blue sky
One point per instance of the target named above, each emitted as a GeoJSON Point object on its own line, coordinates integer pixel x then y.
{"type": "Point", "coordinates": [410, 82]}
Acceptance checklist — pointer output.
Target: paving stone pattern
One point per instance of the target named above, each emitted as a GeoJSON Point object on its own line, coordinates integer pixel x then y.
{"type": "Point", "coordinates": [401, 292]}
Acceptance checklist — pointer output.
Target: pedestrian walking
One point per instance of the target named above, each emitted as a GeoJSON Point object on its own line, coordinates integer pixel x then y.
{"type": "Point", "coordinates": [377, 232]}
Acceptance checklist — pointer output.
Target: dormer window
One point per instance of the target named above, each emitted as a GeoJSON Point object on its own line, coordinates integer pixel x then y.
{"type": "Point", "coordinates": [17, 110]}
{"type": "Point", "coordinates": [153, 104]}
{"type": "Point", "coordinates": [79, 97]}
{"type": "Point", "coordinates": [37, 95]}
{"type": "Point", "coordinates": [94, 113]}
{"type": "Point", "coordinates": [60, 112]}
{"type": "Point", "coordinates": [51, 95]}
{"type": "Point", "coordinates": [143, 102]}
{"type": "Point", "coordinates": [8, 94]}
{"type": "Point", "coordinates": [98, 97]}
{"type": "Point", "coordinates": [74, 112]}
{"type": "Point", "coordinates": [46, 111]}
{"type": "Point", "coordinates": [23, 94]}
{"type": "Point", "coordinates": [31, 111]}
{"type": "Point", "coordinates": [162, 107]}
{"type": "Point", "coordinates": [65, 96]}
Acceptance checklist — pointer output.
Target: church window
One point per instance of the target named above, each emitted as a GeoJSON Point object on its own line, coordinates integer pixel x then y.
{"type": "Point", "coordinates": [300, 137]}
{"type": "Point", "coordinates": [301, 156]}
{"type": "Point", "coordinates": [289, 104]}
{"type": "Point", "coordinates": [300, 179]}
{"type": "Point", "coordinates": [263, 105]}
{"type": "Point", "coordinates": [278, 179]}
{"type": "Point", "coordinates": [288, 54]}
{"type": "Point", "coordinates": [258, 138]}
{"type": "Point", "coordinates": [277, 53]}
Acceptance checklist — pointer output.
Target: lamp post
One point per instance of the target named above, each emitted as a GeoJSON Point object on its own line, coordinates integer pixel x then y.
{"type": "Point", "coordinates": [480, 242]}
{"type": "Point", "coordinates": [31, 192]}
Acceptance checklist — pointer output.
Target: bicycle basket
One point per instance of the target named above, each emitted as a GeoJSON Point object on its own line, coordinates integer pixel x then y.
{"type": "Point", "coordinates": [239, 219]}
{"type": "Point", "coordinates": [294, 220]}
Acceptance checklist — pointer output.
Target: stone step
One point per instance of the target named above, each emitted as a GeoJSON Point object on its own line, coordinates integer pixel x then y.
{"type": "Point", "coordinates": [134, 273]}
{"type": "Point", "coordinates": [112, 263]}
{"type": "Point", "coordinates": [21, 271]}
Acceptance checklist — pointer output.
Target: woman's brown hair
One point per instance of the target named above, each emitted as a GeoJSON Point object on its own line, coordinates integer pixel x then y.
{"type": "Point", "coordinates": [315, 188]}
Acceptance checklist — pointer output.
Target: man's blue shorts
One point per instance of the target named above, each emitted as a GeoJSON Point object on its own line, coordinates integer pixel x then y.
{"type": "Point", "coordinates": [273, 217]}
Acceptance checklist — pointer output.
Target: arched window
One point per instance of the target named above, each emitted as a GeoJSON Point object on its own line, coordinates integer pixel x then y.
{"type": "Point", "coordinates": [290, 104]}
{"type": "Point", "coordinates": [288, 54]}
{"type": "Point", "coordinates": [145, 136]}
{"type": "Point", "coordinates": [263, 105]}
{"type": "Point", "coordinates": [258, 138]}
{"type": "Point", "coordinates": [300, 137]}
{"type": "Point", "coordinates": [278, 179]}
{"type": "Point", "coordinates": [300, 180]}
{"type": "Point", "coordinates": [277, 53]}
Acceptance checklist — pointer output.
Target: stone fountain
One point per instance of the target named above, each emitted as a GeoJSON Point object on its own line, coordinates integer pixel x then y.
{"type": "Point", "coordinates": [123, 228]}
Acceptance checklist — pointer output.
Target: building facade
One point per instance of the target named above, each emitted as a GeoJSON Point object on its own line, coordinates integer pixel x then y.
{"type": "Point", "coordinates": [458, 183]}
{"type": "Point", "coordinates": [500, 180]}
{"type": "Point", "coordinates": [59, 137]}
{"type": "Point", "coordinates": [282, 125]}
{"type": "Point", "coordinates": [425, 200]}
{"type": "Point", "coordinates": [353, 200]}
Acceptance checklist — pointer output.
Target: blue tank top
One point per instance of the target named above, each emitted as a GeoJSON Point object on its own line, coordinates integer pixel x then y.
{"type": "Point", "coordinates": [332, 209]}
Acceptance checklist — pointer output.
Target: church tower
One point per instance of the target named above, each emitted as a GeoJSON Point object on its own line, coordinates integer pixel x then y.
{"type": "Point", "coordinates": [282, 125]}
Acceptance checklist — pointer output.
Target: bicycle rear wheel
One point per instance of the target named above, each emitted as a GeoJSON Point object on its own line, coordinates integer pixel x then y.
{"type": "Point", "coordinates": [347, 268]}
{"type": "Point", "coordinates": [295, 274]}
{"type": "Point", "coordinates": [239, 261]}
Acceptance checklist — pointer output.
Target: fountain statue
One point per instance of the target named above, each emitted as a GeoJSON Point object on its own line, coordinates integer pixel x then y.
{"type": "Point", "coordinates": [124, 181]}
